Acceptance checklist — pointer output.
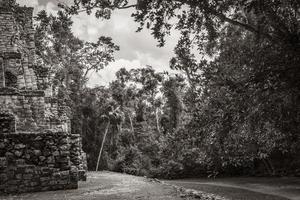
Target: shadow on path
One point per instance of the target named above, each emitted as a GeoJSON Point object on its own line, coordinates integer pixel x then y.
{"type": "Point", "coordinates": [246, 188]}
{"type": "Point", "coordinates": [107, 186]}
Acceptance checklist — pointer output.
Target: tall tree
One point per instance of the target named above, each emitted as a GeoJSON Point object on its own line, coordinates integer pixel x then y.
{"type": "Point", "coordinates": [70, 59]}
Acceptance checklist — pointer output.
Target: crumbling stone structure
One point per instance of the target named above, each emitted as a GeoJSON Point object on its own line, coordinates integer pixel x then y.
{"type": "Point", "coordinates": [37, 150]}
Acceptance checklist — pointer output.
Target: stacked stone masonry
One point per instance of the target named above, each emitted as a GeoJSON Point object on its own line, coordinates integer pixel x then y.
{"type": "Point", "coordinates": [37, 150]}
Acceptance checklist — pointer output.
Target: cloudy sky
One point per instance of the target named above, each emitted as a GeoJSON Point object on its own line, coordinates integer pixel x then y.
{"type": "Point", "coordinates": [137, 49]}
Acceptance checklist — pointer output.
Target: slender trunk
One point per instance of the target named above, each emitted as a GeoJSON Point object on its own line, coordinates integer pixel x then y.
{"type": "Point", "coordinates": [157, 120]}
{"type": "Point", "coordinates": [3, 71]}
{"type": "Point", "coordinates": [67, 80]}
{"type": "Point", "coordinates": [267, 166]}
{"type": "Point", "coordinates": [190, 79]}
{"type": "Point", "coordinates": [120, 127]}
{"type": "Point", "coordinates": [103, 141]}
{"type": "Point", "coordinates": [271, 166]}
{"type": "Point", "coordinates": [131, 124]}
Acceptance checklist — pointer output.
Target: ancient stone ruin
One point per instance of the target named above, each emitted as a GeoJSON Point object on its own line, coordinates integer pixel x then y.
{"type": "Point", "coordinates": [37, 150]}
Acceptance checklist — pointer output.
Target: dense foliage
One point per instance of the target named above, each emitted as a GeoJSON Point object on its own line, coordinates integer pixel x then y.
{"type": "Point", "coordinates": [166, 130]}
{"type": "Point", "coordinates": [234, 111]}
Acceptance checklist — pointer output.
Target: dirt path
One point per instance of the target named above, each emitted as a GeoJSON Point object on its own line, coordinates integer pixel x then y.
{"type": "Point", "coordinates": [107, 186]}
{"type": "Point", "coordinates": [115, 186]}
{"type": "Point", "coordinates": [246, 188]}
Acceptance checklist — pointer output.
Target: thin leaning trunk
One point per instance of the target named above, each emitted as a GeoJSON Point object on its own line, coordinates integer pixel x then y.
{"type": "Point", "coordinates": [271, 166]}
{"type": "Point", "coordinates": [157, 120]}
{"type": "Point", "coordinates": [267, 166]}
{"type": "Point", "coordinates": [103, 141]}
{"type": "Point", "coordinates": [3, 71]}
{"type": "Point", "coordinates": [131, 124]}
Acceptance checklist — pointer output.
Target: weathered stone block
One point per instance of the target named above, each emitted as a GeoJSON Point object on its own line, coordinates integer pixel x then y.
{"type": "Point", "coordinates": [37, 152]}
{"type": "Point", "coordinates": [64, 174]}
{"type": "Point", "coordinates": [55, 153]}
{"type": "Point", "coordinates": [45, 181]}
{"type": "Point", "coordinates": [29, 169]}
{"type": "Point", "coordinates": [64, 147]}
{"type": "Point", "coordinates": [18, 153]}
{"type": "Point", "coordinates": [9, 155]}
{"type": "Point", "coordinates": [64, 153]}
{"type": "Point", "coordinates": [13, 182]}
{"type": "Point", "coordinates": [19, 176]}
{"type": "Point", "coordinates": [62, 182]}
{"type": "Point", "coordinates": [82, 176]}
{"type": "Point", "coordinates": [42, 158]}
{"type": "Point", "coordinates": [34, 183]}
{"type": "Point", "coordinates": [3, 178]}
{"type": "Point", "coordinates": [27, 176]}
{"type": "Point", "coordinates": [10, 173]}
{"type": "Point", "coordinates": [20, 162]}
{"type": "Point", "coordinates": [3, 162]}
{"type": "Point", "coordinates": [2, 145]}
{"type": "Point", "coordinates": [51, 160]}
{"type": "Point", "coordinates": [20, 146]}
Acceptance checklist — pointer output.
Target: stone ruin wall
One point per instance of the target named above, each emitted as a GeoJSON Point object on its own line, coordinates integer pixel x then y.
{"type": "Point", "coordinates": [36, 162]}
{"type": "Point", "coordinates": [37, 150]}
{"type": "Point", "coordinates": [18, 49]}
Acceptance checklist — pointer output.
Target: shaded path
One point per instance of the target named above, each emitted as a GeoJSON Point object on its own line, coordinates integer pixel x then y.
{"type": "Point", "coordinates": [115, 186]}
{"type": "Point", "coordinates": [107, 186]}
{"type": "Point", "coordinates": [246, 188]}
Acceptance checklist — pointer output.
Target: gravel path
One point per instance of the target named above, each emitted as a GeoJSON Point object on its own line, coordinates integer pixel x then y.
{"type": "Point", "coordinates": [108, 186]}
{"type": "Point", "coordinates": [115, 186]}
{"type": "Point", "coordinates": [246, 188]}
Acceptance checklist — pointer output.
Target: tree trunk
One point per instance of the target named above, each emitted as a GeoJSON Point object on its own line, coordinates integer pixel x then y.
{"type": "Point", "coordinates": [3, 71]}
{"type": "Point", "coordinates": [157, 120]}
{"type": "Point", "coordinates": [271, 167]}
{"type": "Point", "coordinates": [267, 166]}
{"type": "Point", "coordinates": [103, 141]}
{"type": "Point", "coordinates": [131, 124]}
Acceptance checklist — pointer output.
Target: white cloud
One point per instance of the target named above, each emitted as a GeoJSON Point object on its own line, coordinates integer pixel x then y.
{"type": "Point", "coordinates": [159, 64]}
{"type": "Point", "coordinates": [121, 21]}
{"type": "Point", "coordinates": [50, 7]}
{"type": "Point", "coordinates": [106, 75]}
{"type": "Point", "coordinates": [28, 3]}
{"type": "Point", "coordinates": [87, 27]}
{"type": "Point", "coordinates": [136, 49]}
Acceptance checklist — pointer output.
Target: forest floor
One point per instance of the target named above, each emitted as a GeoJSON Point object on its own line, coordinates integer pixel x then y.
{"type": "Point", "coordinates": [116, 186]}
{"type": "Point", "coordinates": [246, 188]}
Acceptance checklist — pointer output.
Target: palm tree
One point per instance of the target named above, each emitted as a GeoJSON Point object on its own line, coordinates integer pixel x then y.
{"type": "Point", "coordinates": [114, 117]}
